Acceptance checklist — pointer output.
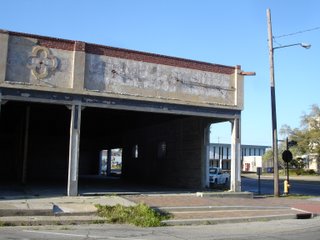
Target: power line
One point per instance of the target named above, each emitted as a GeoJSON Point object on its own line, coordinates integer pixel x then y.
{"type": "Point", "coordinates": [275, 41]}
{"type": "Point", "coordinates": [296, 33]}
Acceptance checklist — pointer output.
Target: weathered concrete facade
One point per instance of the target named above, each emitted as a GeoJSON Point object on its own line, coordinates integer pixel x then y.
{"type": "Point", "coordinates": [161, 104]}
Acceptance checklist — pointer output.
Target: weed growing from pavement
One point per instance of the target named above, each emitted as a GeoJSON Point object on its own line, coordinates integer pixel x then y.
{"type": "Point", "coordinates": [99, 221]}
{"type": "Point", "coordinates": [6, 224]}
{"type": "Point", "coordinates": [140, 215]}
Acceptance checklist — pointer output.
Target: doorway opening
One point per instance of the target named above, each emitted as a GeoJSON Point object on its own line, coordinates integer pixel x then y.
{"type": "Point", "coordinates": [111, 162]}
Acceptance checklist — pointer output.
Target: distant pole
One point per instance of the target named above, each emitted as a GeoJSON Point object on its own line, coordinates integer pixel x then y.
{"type": "Point", "coordinates": [287, 141]}
{"type": "Point", "coordinates": [273, 109]}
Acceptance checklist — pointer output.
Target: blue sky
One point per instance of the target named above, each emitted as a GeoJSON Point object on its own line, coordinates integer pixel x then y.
{"type": "Point", "coordinates": [223, 32]}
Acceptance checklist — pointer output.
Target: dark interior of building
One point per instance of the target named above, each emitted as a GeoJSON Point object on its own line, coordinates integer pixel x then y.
{"type": "Point", "coordinates": [161, 149]}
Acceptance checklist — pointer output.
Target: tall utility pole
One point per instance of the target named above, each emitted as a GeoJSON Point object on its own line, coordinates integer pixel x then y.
{"type": "Point", "coordinates": [273, 109]}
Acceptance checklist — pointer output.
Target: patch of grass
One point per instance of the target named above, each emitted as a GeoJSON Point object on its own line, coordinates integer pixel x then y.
{"type": "Point", "coordinates": [298, 172]}
{"type": "Point", "coordinates": [99, 221]}
{"type": "Point", "coordinates": [140, 215]}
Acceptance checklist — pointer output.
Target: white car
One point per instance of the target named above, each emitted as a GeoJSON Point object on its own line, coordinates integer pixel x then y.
{"type": "Point", "coordinates": [216, 176]}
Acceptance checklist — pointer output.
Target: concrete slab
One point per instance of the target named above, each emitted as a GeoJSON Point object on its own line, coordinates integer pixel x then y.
{"type": "Point", "coordinates": [206, 221]}
{"type": "Point", "coordinates": [225, 194]}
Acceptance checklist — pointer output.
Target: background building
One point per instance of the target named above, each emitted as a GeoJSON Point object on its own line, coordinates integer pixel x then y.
{"type": "Point", "coordinates": [251, 156]}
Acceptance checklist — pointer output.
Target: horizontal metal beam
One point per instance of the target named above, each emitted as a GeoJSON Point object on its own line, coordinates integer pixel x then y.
{"type": "Point", "coordinates": [116, 103]}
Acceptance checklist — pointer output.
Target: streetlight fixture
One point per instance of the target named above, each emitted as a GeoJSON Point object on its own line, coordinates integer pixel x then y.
{"type": "Point", "coordinates": [273, 101]}
{"type": "Point", "coordinates": [304, 45]}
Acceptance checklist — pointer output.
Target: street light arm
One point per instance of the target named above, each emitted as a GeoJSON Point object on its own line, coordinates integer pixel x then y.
{"type": "Point", "coordinates": [304, 45]}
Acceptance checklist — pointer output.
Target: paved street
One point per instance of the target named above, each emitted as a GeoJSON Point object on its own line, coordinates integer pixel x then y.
{"type": "Point", "coordinates": [299, 185]}
{"type": "Point", "coordinates": [282, 229]}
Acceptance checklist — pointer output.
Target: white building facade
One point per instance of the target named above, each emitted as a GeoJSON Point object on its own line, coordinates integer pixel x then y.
{"type": "Point", "coordinates": [251, 156]}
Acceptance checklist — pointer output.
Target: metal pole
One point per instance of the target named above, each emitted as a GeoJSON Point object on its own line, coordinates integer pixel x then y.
{"type": "Point", "coordinates": [273, 109]}
{"type": "Point", "coordinates": [288, 167]}
{"type": "Point", "coordinates": [259, 185]}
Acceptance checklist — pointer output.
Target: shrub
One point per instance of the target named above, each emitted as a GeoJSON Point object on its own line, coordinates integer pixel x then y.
{"type": "Point", "coordinates": [311, 172]}
{"type": "Point", "coordinates": [139, 215]}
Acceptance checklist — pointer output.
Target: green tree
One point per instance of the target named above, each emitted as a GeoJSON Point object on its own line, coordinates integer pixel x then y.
{"type": "Point", "coordinates": [307, 136]}
{"type": "Point", "coordinates": [268, 156]}
{"type": "Point", "coordinates": [297, 163]}
{"type": "Point", "coordinates": [311, 131]}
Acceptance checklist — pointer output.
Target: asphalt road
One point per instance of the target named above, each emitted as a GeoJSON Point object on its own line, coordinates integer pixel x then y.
{"type": "Point", "coordinates": [285, 229]}
{"type": "Point", "coordinates": [300, 185]}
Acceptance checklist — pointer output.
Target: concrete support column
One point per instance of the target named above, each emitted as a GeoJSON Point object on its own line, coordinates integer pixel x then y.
{"type": "Point", "coordinates": [205, 157]}
{"type": "Point", "coordinates": [25, 147]}
{"type": "Point", "coordinates": [74, 150]}
{"type": "Point", "coordinates": [4, 39]}
{"type": "Point", "coordinates": [100, 163]}
{"type": "Point", "coordinates": [0, 102]}
{"type": "Point", "coordinates": [109, 155]}
{"type": "Point", "coordinates": [235, 181]}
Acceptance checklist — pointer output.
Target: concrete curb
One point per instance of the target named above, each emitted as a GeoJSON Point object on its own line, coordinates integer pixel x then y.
{"type": "Point", "coordinates": [225, 194]}
{"type": "Point", "coordinates": [25, 212]}
{"type": "Point", "coordinates": [49, 220]}
{"type": "Point", "coordinates": [208, 221]}
{"type": "Point", "coordinates": [217, 208]}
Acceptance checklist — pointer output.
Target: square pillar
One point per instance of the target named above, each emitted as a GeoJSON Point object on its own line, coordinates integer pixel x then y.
{"type": "Point", "coordinates": [109, 155]}
{"type": "Point", "coordinates": [0, 102]}
{"type": "Point", "coordinates": [235, 181]}
{"type": "Point", "coordinates": [205, 157]}
{"type": "Point", "coordinates": [4, 40]}
{"type": "Point", "coordinates": [74, 150]}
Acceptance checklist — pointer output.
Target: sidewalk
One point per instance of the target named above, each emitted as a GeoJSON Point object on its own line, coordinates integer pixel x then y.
{"type": "Point", "coordinates": [190, 209]}
{"type": "Point", "coordinates": [186, 208]}
{"type": "Point", "coordinates": [55, 210]}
